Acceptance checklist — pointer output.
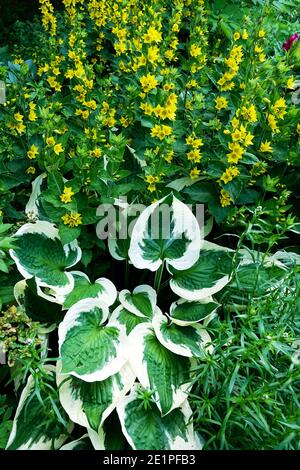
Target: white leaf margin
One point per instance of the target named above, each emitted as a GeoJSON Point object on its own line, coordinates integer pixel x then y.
{"type": "Point", "coordinates": [135, 355]}
{"type": "Point", "coordinates": [74, 407]}
{"type": "Point", "coordinates": [182, 350]}
{"type": "Point", "coordinates": [142, 289]}
{"type": "Point", "coordinates": [70, 322]}
{"type": "Point", "coordinates": [184, 222]}
{"type": "Point", "coordinates": [192, 443]}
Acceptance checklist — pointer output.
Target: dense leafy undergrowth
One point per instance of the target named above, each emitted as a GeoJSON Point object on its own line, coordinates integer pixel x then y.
{"type": "Point", "coordinates": [149, 221]}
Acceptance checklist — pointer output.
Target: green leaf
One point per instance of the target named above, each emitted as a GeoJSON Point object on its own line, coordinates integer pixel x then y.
{"type": "Point", "coordinates": [157, 368]}
{"type": "Point", "coordinates": [166, 230]}
{"type": "Point", "coordinates": [89, 404]}
{"type": "Point", "coordinates": [123, 317]}
{"type": "Point", "coordinates": [103, 289]}
{"type": "Point", "coordinates": [206, 277]}
{"type": "Point", "coordinates": [185, 313]}
{"type": "Point", "coordinates": [68, 234]}
{"type": "Point", "coordinates": [40, 253]}
{"type": "Point", "coordinates": [188, 341]}
{"type": "Point", "coordinates": [88, 349]}
{"type": "Point", "coordinates": [141, 302]}
{"type": "Point", "coordinates": [36, 425]}
{"type": "Point", "coordinates": [145, 429]}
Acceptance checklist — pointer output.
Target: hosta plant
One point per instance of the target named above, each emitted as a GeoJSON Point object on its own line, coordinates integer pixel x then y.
{"type": "Point", "coordinates": [121, 352]}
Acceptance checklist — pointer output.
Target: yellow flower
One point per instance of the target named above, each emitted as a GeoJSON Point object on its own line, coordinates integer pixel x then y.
{"type": "Point", "coordinates": [194, 173]}
{"type": "Point", "coordinates": [221, 103]}
{"type": "Point", "coordinates": [50, 141]}
{"type": "Point", "coordinates": [291, 84]}
{"type": "Point", "coordinates": [225, 198]}
{"type": "Point", "coordinates": [96, 152]}
{"type": "Point", "coordinates": [32, 116]}
{"type": "Point", "coordinates": [258, 49]}
{"type": "Point", "coordinates": [32, 152]}
{"type": "Point", "coordinates": [194, 156]}
{"type": "Point", "coordinates": [67, 194]}
{"type": "Point", "coordinates": [1, 213]}
{"type": "Point", "coordinates": [152, 35]}
{"type": "Point", "coordinates": [298, 128]}
{"type": "Point", "coordinates": [230, 173]}
{"type": "Point", "coordinates": [245, 35]}
{"type": "Point", "coordinates": [58, 149]}
{"type": "Point", "coordinates": [161, 131]}
{"type": "Point", "coordinates": [236, 153]}
{"type": "Point", "coordinates": [195, 50]}
{"type": "Point", "coordinates": [18, 117]}
{"type": "Point", "coordinates": [73, 219]}
{"type": "Point", "coordinates": [31, 170]}
{"type": "Point", "coordinates": [148, 82]}
{"type": "Point", "coordinates": [279, 108]}
{"type": "Point", "coordinates": [153, 54]}
{"type": "Point", "coordinates": [261, 33]}
{"type": "Point", "coordinates": [152, 179]}
{"type": "Point", "coordinates": [249, 113]}
{"type": "Point", "coordinates": [151, 188]}
{"type": "Point", "coordinates": [236, 36]}
{"type": "Point", "coordinates": [20, 128]}
{"type": "Point", "coordinates": [266, 147]}
{"type": "Point", "coordinates": [272, 123]}
{"type": "Point", "coordinates": [169, 157]}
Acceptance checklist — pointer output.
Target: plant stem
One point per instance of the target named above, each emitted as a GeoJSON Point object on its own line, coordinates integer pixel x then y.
{"type": "Point", "coordinates": [158, 276]}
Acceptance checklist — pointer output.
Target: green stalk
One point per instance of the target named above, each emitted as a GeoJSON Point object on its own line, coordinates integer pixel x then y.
{"type": "Point", "coordinates": [158, 276]}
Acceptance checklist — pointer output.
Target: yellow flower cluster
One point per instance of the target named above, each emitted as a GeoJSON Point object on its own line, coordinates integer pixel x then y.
{"type": "Point", "coordinates": [17, 124]}
{"type": "Point", "coordinates": [67, 194]}
{"type": "Point", "coordinates": [48, 17]}
{"type": "Point", "coordinates": [33, 152]}
{"type": "Point", "coordinates": [161, 131]}
{"type": "Point", "coordinates": [72, 220]}
{"type": "Point", "coordinates": [230, 173]}
{"type": "Point", "coordinates": [233, 62]}
{"type": "Point", "coordinates": [151, 180]}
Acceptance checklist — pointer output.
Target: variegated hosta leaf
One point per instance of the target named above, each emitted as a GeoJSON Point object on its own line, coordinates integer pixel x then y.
{"type": "Point", "coordinates": [36, 424]}
{"type": "Point", "coordinates": [146, 429]}
{"type": "Point", "coordinates": [103, 289]}
{"type": "Point", "coordinates": [189, 341]}
{"type": "Point", "coordinates": [36, 307]}
{"type": "Point", "coordinates": [90, 350]}
{"type": "Point", "coordinates": [118, 246]}
{"type": "Point", "coordinates": [83, 443]}
{"type": "Point", "coordinates": [141, 302]}
{"type": "Point", "coordinates": [187, 313]}
{"type": "Point", "coordinates": [97, 438]}
{"type": "Point", "coordinates": [158, 368]}
{"type": "Point", "coordinates": [128, 319]}
{"type": "Point", "coordinates": [40, 253]}
{"type": "Point", "coordinates": [31, 209]}
{"type": "Point", "coordinates": [206, 277]}
{"type": "Point", "coordinates": [89, 404]}
{"type": "Point", "coordinates": [166, 230]}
